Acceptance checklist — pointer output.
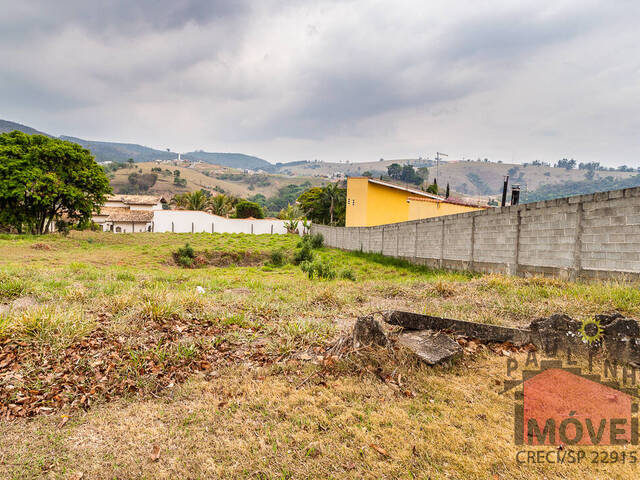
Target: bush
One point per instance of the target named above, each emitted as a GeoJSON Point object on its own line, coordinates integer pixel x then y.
{"type": "Point", "coordinates": [246, 209]}
{"type": "Point", "coordinates": [303, 255]}
{"type": "Point", "coordinates": [184, 256]}
{"type": "Point", "coordinates": [314, 241]}
{"type": "Point", "coordinates": [277, 257]}
{"type": "Point", "coordinates": [318, 268]}
{"type": "Point", "coordinates": [317, 240]}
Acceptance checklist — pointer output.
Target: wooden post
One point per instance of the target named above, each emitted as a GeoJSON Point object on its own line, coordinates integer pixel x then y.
{"type": "Point", "coordinates": [172, 228]}
{"type": "Point", "coordinates": [272, 229]}
{"type": "Point", "coordinates": [192, 227]}
{"type": "Point", "coordinates": [211, 227]}
{"type": "Point", "coordinates": [252, 228]}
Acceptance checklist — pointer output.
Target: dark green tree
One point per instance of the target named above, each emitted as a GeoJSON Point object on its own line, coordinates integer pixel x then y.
{"type": "Point", "coordinates": [394, 171]}
{"type": "Point", "coordinates": [326, 205]}
{"type": "Point", "coordinates": [246, 209]}
{"type": "Point", "coordinates": [43, 178]}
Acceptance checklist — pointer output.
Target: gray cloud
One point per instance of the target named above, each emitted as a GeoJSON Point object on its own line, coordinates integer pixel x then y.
{"type": "Point", "coordinates": [329, 79]}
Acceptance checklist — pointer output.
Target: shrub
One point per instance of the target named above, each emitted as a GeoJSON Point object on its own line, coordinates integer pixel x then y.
{"type": "Point", "coordinates": [317, 240]}
{"type": "Point", "coordinates": [277, 257]}
{"type": "Point", "coordinates": [304, 254]}
{"type": "Point", "coordinates": [186, 251]}
{"type": "Point", "coordinates": [318, 268]}
{"type": "Point", "coordinates": [185, 256]}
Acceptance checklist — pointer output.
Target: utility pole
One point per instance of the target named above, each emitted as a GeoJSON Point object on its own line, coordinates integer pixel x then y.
{"type": "Point", "coordinates": [438, 155]}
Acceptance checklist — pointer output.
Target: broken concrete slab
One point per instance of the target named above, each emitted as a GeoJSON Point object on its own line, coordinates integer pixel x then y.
{"type": "Point", "coordinates": [620, 336]}
{"type": "Point", "coordinates": [492, 333]}
{"type": "Point", "coordinates": [368, 331]}
{"type": "Point", "coordinates": [433, 348]}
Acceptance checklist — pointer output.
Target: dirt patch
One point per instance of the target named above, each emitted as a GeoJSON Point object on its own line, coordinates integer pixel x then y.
{"type": "Point", "coordinates": [218, 258]}
{"type": "Point", "coordinates": [224, 259]}
{"type": "Point", "coordinates": [41, 246]}
{"type": "Point", "coordinates": [35, 379]}
{"type": "Point", "coordinates": [238, 291]}
{"type": "Point", "coordinates": [23, 302]}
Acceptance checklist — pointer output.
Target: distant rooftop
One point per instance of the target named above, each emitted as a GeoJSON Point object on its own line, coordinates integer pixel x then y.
{"type": "Point", "coordinates": [136, 199]}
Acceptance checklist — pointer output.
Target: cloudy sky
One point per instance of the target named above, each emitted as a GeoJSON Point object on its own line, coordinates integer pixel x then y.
{"type": "Point", "coordinates": [333, 80]}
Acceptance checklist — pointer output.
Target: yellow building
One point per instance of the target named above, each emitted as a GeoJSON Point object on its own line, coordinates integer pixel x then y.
{"type": "Point", "coordinates": [375, 202]}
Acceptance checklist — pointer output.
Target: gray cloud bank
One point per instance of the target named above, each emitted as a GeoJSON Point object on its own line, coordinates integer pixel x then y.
{"type": "Point", "coordinates": [337, 80]}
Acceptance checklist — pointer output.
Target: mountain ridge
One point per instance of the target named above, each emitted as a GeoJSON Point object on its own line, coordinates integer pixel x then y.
{"type": "Point", "coordinates": [121, 152]}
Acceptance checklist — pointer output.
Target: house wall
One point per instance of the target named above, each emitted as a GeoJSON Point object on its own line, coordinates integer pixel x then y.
{"type": "Point", "coordinates": [187, 221]}
{"type": "Point", "coordinates": [586, 236]}
{"type": "Point", "coordinates": [128, 227]}
{"type": "Point", "coordinates": [370, 204]}
{"type": "Point", "coordinates": [356, 213]}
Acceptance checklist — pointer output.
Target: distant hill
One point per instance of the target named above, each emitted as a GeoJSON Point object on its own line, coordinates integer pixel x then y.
{"type": "Point", "coordinates": [234, 160]}
{"type": "Point", "coordinates": [121, 152]}
{"type": "Point", "coordinates": [7, 126]}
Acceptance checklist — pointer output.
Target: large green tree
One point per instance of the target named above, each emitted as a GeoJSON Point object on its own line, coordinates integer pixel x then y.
{"type": "Point", "coordinates": [43, 179]}
{"type": "Point", "coordinates": [325, 205]}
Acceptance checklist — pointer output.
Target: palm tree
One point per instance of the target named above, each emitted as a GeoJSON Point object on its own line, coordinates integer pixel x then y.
{"type": "Point", "coordinates": [191, 201]}
{"type": "Point", "coordinates": [220, 205]}
{"type": "Point", "coordinates": [332, 194]}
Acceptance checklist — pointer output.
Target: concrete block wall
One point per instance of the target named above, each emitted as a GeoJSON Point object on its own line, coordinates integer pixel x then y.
{"type": "Point", "coordinates": [589, 236]}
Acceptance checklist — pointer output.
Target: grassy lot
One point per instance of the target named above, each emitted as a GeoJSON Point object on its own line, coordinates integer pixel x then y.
{"type": "Point", "coordinates": [112, 365]}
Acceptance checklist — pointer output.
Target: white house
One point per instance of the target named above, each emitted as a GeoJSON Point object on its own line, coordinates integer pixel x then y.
{"type": "Point", "coordinates": [128, 213]}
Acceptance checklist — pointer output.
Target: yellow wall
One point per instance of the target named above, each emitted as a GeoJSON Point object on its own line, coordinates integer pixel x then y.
{"type": "Point", "coordinates": [370, 204]}
{"type": "Point", "coordinates": [426, 209]}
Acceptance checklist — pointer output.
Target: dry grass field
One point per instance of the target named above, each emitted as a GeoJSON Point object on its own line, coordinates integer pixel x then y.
{"type": "Point", "coordinates": [114, 365]}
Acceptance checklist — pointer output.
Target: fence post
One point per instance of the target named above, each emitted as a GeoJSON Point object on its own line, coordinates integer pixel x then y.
{"type": "Point", "coordinates": [192, 227]}
{"type": "Point", "coordinates": [172, 229]}
{"type": "Point", "coordinates": [415, 244]}
{"type": "Point", "coordinates": [252, 228]}
{"type": "Point", "coordinates": [441, 263]}
{"type": "Point", "coordinates": [211, 227]}
{"type": "Point", "coordinates": [516, 261]}
{"type": "Point", "coordinates": [473, 241]}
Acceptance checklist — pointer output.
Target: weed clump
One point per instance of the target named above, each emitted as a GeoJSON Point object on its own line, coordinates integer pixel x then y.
{"type": "Point", "coordinates": [184, 256]}
{"type": "Point", "coordinates": [319, 268]}
{"type": "Point", "coordinates": [277, 257]}
{"type": "Point", "coordinates": [347, 274]}
{"type": "Point", "coordinates": [304, 254]}
{"type": "Point", "coordinates": [314, 241]}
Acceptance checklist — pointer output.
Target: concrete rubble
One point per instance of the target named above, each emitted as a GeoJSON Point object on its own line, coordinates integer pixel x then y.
{"type": "Point", "coordinates": [430, 337]}
{"type": "Point", "coordinates": [433, 348]}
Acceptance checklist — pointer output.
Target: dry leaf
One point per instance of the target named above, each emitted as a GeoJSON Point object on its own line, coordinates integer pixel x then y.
{"type": "Point", "coordinates": [380, 450]}
{"type": "Point", "coordinates": [155, 454]}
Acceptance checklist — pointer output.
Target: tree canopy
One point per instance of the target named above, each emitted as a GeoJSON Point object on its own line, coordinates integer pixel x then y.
{"type": "Point", "coordinates": [246, 209]}
{"type": "Point", "coordinates": [44, 178]}
{"type": "Point", "coordinates": [327, 205]}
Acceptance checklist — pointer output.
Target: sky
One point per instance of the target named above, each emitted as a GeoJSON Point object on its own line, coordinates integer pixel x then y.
{"type": "Point", "coordinates": [331, 80]}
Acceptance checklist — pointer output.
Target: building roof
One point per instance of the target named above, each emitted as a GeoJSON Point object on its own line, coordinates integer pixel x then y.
{"type": "Point", "coordinates": [136, 199]}
{"type": "Point", "coordinates": [106, 211]}
{"type": "Point", "coordinates": [422, 195]}
{"type": "Point", "coordinates": [126, 215]}
{"type": "Point", "coordinates": [454, 201]}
